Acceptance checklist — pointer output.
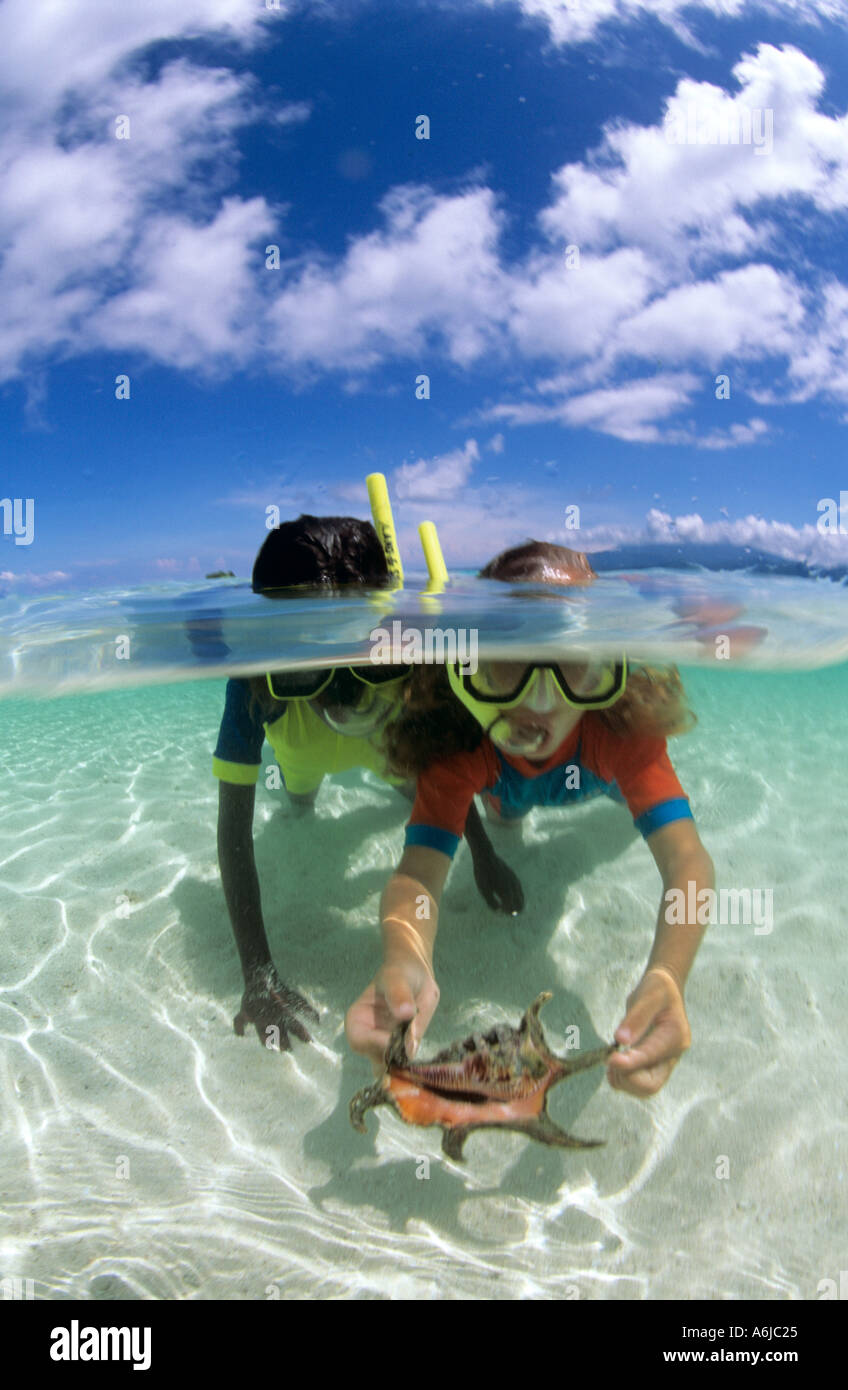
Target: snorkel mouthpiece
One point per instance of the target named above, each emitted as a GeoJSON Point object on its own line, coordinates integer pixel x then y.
{"type": "Point", "coordinates": [543, 697]}
{"type": "Point", "coordinates": [359, 720]}
{"type": "Point", "coordinates": [512, 741]}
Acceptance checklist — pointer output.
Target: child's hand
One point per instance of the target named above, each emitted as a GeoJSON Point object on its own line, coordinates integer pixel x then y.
{"type": "Point", "coordinates": [272, 1007]}
{"type": "Point", "coordinates": [498, 885]}
{"type": "Point", "coordinates": [400, 990]}
{"type": "Point", "coordinates": [657, 1025]}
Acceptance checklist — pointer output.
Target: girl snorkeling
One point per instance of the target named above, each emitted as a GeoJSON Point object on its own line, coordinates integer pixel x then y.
{"type": "Point", "coordinates": [317, 722]}
{"type": "Point", "coordinates": [528, 734]}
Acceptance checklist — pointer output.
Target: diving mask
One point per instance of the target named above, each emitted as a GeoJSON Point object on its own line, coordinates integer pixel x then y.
{"type": "Point", "coordinates": [305, 685]}
{"type": "Point", "coordinates": [357, 699]}
{"type": "Point", "coordinates": [541, 688]}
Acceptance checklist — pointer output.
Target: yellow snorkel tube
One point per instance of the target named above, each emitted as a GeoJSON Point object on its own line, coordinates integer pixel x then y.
{"type": "Point", "coordinates": [384, 525]}
{"type": "Point", "coordinates": [436, 567]}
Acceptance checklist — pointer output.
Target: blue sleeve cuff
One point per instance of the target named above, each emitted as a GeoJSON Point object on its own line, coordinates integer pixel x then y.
{"type": "Point", "coordinates": [242, 733]}
{"type": "Point", "coordinates": [432, 838]}
{"type": "Point", "coordinates": [663, 814]}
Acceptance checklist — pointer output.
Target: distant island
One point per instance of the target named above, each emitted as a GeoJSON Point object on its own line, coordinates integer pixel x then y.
{"type": "Point", "coordinates": [221, 574]}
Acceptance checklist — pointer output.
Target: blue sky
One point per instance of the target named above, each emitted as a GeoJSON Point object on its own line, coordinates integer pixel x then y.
{"type": "Point", "coordinates": [556, 377]}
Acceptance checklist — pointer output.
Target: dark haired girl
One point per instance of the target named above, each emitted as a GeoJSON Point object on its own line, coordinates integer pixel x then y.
{"type": "Point", "coordinates": [317, 722]}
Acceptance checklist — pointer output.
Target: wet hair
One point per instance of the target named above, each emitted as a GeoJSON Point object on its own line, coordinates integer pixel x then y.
{"type": "Point", "coordinates": [434, 724]}
{"type": "Point", "coordinates": [541, 563]}
{"type": "Point", "coordinates": [324, 552]}
{"type": "Point", "coordinates": [318, 551]}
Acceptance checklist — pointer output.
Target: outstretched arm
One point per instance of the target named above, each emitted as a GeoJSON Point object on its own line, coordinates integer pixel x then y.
{"type": "Point", "coordinates": [238, 874]}
{"type": "Point", "coordinates": [267, 1003]}
{"type": "Point", "coordinates": [655, 1028]}
{"type": "Point", "coordinates": [681, 859]}
{"type": "Point", "coordinates": [404, 986]}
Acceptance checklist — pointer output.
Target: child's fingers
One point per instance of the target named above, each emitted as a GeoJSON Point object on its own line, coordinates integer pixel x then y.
{"type": "Point", "coordinates": [291, 1001]}
{"type": "Point", "coordinates": [662, 1046]}
{"type": "Point", "coordinates": [644, 1082]}
{"type": "Point", "coordinates": [299, 1031]}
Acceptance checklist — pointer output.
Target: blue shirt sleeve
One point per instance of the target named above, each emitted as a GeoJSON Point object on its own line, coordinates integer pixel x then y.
{"type": "Point", "coordinates": [238, 752]}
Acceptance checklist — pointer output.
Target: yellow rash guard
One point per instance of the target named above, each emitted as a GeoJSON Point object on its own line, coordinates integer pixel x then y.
{"type": "Point", "coordinates": [305, 748]}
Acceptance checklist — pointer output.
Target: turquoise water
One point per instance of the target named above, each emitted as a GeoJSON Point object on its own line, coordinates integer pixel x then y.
{"type": "Point", "coordinates": [149, 1152]}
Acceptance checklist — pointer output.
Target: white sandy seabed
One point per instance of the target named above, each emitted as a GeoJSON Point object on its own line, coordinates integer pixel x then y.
{"type": "Point", "coordinates": [149, 1152]}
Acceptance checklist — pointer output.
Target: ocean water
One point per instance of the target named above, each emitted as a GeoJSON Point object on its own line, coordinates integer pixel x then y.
{"type": "Point", "coordinates": [149, 1152]}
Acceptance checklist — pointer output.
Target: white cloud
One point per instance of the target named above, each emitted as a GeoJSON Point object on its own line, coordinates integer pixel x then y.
{"type": "Point", "coordinates": [656, 223]}
{"type": "Point", "coordinates": [575, 21]}
{"type": "Point", "coordinates": [208, 271]}
{"type": "Point", "coordinates": [295, 113]}
{"type": "Point", "coordinates": [750, 313]}
{"type": "Point", "coordinates": [81, 219]}
{"type": "Point", "coordinates": [750, 432]}
{"type": "Point", "coordinates": [569, 314]}
{"type": "Point", "coordinates": [434, 270]}
{"type": "Point", "coordinates": [777, 537]}
{"type": "Point", "coordinates": [628, 411]}
{"type": "Point", "coordinates": [441, 477]}
{"type": "Point", "coordinates": [689, 201]}
{"type": "Point", "coordinates": [98, 254]}
{"type": "Point", "coordinates": [820, 359]}
{"type": "Point", "coordinates": [475, 523]}
{"type": "Point", "coordinates": [59, 46]}
{"type": "Point", "coordinates": [780, 538]}
{"type": "Point", "coordinates": [31, 579]}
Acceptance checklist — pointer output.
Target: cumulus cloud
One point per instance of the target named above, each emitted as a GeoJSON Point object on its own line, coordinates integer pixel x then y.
{"type": "Point", "coordinates": [576, 21]}
{"type": "Point", "coordinates": [138, 246]}
{"type": "Point", "coordinates": [476, 521]}
{"type": "Point", "coordinates": [750, 313]}
{"type": "Point", "coordinates": [570, 314]}
{"type": "Point", "coordinates": [437, 478]}
{"type": "Point", "coordinates": [651, 186]}
{"type": "Point", "coordinates": [776, 537]}
{"type": "Point", "coordinates": [804, 542]}
{"type": "Point", "coordinates": [81, 220]}
{"type": "Point", "coordinates": [47, 50]}
{"type": "Point", "coordinates": [208, 270]}
{"type": "Point", "coordinates": [628, 411]}
{"type": "Point", "coordinates": [819, 362]}
{"type": "Point", "coordinates": [657, 220]}
{"type": "Point", "coordinates": [433, 271]}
